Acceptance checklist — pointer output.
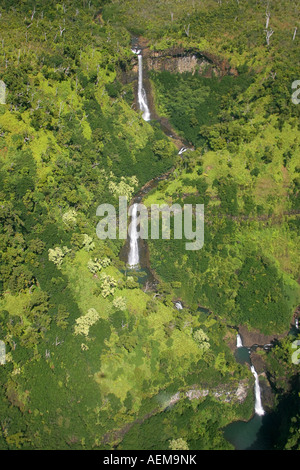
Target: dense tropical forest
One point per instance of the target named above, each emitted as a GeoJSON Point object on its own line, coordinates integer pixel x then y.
{"type": "Point", "coordinates": [97, 356]}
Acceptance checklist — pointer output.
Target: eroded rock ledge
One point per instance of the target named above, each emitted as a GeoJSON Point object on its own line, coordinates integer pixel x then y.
{"type": "Point", "coordinates": [180, 59]}
{"type": "Point", "coordinates": [225, 393]}
{"type": "Point", "coordinates": [186, 60]}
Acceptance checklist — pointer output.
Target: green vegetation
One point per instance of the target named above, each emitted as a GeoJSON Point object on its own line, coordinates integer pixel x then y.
{"type": "Point", "coordinates": [94, 359]}
{"type": "Point", "coordinates": [192, 102]}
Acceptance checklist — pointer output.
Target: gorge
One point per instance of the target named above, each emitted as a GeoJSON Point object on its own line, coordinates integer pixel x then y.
{"type": "Point", "coordinates": [117, 342]}
{"type": "Point", "coordinates": [133, 260]}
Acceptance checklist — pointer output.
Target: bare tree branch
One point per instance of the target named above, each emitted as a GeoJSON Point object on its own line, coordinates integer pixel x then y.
{"type": "Point", "coordinates": [187, 30]}
{"type": "Point", "coordinates": [295, 32]}
{"type": "Point", "coordinates": [269, 33]}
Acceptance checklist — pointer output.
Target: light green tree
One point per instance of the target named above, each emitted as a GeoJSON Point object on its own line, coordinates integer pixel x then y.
{"type": "Point", "coordinates": [202, 340]}
{"type": "Point", "coordinates": [88, 243]}
{"type": "Point", "coordinates": [124, 188]}
{"type": "Point", "coordinates": [69, 218]}
{"type": "Point", "coordinates": [84, 322]}
{"type": "Point", "coordinates": [105, 262]}
{"type": "Point", "coordinates": [131, 283]}
{"type": "Point", "coordinates": [108, 285]}
{"type": "Point", "coordinates": [94, 265]}
{"type": "Point", "coordinates": [57, 254]}
{"type": "Point", "coordinates": [120, 303]}
{"type": "Point", "coordinates": [220, 363]}
{"type": "Point", "coordinates": [178, 444]}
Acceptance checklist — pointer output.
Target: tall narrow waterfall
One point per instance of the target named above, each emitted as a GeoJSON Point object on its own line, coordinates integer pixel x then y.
{"type": "Point", "coordinates": [133, 257]}
{"type": "Point", "coordinates": [258, 406]}
{"type": "Point", "coordinates": [142, 97]}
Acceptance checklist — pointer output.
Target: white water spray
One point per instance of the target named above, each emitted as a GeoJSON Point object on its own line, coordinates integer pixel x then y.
{"type": "Point", "coordinates": [258, 406]}
{"type": "Point", "coordinates": [133, 257]}
{"type": "Point", "coordinates": [178, 305]}
{"type": "Point", "coordinates": [239, 343]}
{"type": "Point", "coordinates": [182, 150]}
{"type": "Point", "coordinates": [142, 97]}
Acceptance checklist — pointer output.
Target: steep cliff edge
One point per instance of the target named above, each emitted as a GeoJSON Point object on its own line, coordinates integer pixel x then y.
{"type": "Point", "coordinates": [179, 60]}
{"type": "Point", "coordinates": [173, 60]}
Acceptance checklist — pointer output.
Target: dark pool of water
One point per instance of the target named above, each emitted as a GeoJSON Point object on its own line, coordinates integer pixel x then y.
{"type": "Point", "coordinates": [242, 355]}
{"type": "Point", "coordinates": [250, 435]}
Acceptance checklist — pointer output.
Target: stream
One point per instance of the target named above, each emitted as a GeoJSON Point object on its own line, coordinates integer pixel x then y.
{"type": "Point", "coordinates": [251, 435]}
{"type": "Point", "coordinates": [245, 435]}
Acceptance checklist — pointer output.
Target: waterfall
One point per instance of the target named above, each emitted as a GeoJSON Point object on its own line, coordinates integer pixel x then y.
{"type": "Point", "coordinates": [183, 149]}
{"type": "Point", "coordinates": [142, 97]}
{"type": "Point", "coordinates": [258, 406]}
{"type": "Point", "coordinates": [178, 305]}
{"type": "Point", "coordinates": [133, 257]}
{"type": "Point", "coordinates": [239, 343]}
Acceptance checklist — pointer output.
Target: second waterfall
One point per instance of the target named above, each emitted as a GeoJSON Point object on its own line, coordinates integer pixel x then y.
{"type": "Point", "coordinates": [258, 405]}
{"type": "Point", "coordinates": [133, 256]}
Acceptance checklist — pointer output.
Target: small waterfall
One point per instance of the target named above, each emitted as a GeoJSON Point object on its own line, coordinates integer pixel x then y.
{"type": "Point", "coordinates": [142, 97]}
{"type": "Point", "coordinates": [258, 406]}
{"type": "Point", "coordinates": [178, 305]}
{"type": "Point", "coordinates": [239, 342]}
{"type": "Point", "coordinates": [183, 149]}
{"type": "Point", "coordinates": [133, 257]}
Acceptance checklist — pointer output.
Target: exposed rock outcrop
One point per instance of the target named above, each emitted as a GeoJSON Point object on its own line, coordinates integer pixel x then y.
{"type": "Point", "coordinates": [179, 59]}
{"type": "Point", "coordinates": [225, 393]}
{"type": "Point", "coordinates": [183, 60]}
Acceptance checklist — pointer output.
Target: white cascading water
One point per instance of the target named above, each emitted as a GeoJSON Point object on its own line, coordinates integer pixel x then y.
{"type": "Point", "coordinates": [142, 97]}
{"type": "Point", "coordinates": [258, 406]}
{"type": "Point", "coordinates": [178, 305]}
{"type": "Point", "coordinates": [133, 257]}
{"type": "Point", "coordinates": [239, 343]}
{"type": "Point", "coordinates": [183, 149]}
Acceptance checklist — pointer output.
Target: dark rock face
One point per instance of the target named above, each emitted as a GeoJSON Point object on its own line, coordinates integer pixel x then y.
{"type": "Point", "coordinates": [267, 394]}
{"type": "Point", "coordinates": [179, 63]}
{"type": "Point", "coordinates": [179, 60]}
{"type": "Point", "coordinates": [258, 363]}
{"type": "Point", "coordinates": [251, 338]}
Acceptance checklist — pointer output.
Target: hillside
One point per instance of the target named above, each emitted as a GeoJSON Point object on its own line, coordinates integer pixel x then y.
{"type": "Point", "coordinates": [97, 356]}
